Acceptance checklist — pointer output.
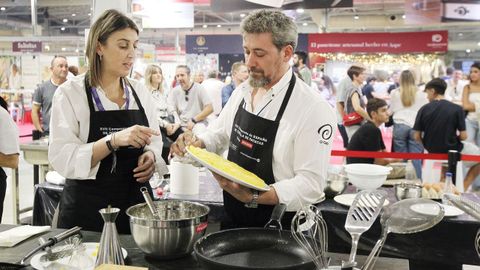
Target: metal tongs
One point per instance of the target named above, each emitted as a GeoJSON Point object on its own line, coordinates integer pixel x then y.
{"type": "Point", "coordinates": [51, 242]}
{"type": "Point", "coordinates": [468, 206]}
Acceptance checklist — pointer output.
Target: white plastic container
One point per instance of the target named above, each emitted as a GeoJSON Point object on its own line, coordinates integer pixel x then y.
{"type": "Point", "coordinates": [367, 176]}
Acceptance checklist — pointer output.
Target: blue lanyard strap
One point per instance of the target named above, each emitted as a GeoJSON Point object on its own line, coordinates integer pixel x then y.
{"type": "Point", "coordinates": [100, 107]}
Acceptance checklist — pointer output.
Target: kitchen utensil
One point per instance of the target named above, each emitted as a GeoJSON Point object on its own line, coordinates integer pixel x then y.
{"type": "Point", "coordinates": [53, 256]}
{"type": "Point", "coordinates": [367, 176]}
{"type": "Point", "coordinates": [468, 206]}
{"type": "Point", "coordinates": [477, 243]}
{"type": "Point", "coordinates": [347, 199]}
{"type": "Point", "coordinates": [360, 217]}
{"type": "Point", "coordinates": [252, 248]}
{"type": "Point", "coordinates": [402, 218]}
{"type": "Point", "coordinates": [336, 184]}
{"type": "Point", "coordinates": [109, 251]}
{"type": "Point", "coordinates": [407, 190]}
{"type": "Point", "coordinates": [149, 201]}
{"type": "Point", "coordinates": [173, 234]}
{"type": "Point", "coordinates": [52, 241]}
{"type": "Point", "coordinates": [309, 229]}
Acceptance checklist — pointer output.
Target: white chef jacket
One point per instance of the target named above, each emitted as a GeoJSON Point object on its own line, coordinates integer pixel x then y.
{"type": "Point", "coordinates": [9, 134]}
{"type": "Point", "coordinates": [301, 153]}
{"type": "Point", "coordinates": [68, 150]}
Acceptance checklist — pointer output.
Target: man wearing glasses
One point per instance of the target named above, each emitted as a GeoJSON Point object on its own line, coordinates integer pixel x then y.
{"type": "Point", "coordinates": [190, 102]}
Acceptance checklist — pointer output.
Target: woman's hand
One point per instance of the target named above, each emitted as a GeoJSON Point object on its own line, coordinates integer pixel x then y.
{"type": "Point", "coordinates": [146, 167]}
{"type": "Point", "coordinates": [186, 138]}
{"type": "Point", "coordinates": [136, 136]}
{"type": "Point", "coordinates": [240, 192]}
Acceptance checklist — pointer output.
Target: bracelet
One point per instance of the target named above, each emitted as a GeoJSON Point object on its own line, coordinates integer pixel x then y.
{"type": "Point", "coordinates": [113, 141]}
{"type": "Point", "coordinates": [193, 120]}
{"type": "Point", "coordinates": [254, 202]}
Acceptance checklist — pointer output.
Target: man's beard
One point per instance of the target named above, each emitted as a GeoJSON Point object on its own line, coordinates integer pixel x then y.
{"type": "Point", "coordinates": [260, 81]}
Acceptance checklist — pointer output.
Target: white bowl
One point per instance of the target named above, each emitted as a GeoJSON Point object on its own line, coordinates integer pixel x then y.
{"type": "Point", "coordinates": [367, 176]}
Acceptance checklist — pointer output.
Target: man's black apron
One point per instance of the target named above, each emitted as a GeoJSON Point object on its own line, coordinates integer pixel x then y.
{"type": "Point", "coordinates": [3, 189]}
{"type": "Point", "coordinates": [81, 199]}
{"type": "Point", "coordinates": [254, 152]}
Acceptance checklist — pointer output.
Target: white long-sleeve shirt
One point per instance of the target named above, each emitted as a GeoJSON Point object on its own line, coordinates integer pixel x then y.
{"type": "Point", "coordinates": [301, 153]}
{"type": "Point", "coordinates": [68, 150]}
{"type": "Point", "coordinates": [9, 139]}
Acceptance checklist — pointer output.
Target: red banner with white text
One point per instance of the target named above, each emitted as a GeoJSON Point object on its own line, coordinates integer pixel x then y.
{"type": "Point", "coordinates": [404, 42]}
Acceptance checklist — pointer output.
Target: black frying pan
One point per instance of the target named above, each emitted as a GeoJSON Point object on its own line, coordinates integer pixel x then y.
{"type": "Point", "coordinates": [253, 248]}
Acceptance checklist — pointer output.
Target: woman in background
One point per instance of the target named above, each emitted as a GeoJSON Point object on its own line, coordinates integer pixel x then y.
{"type": "Point", "coordinates": [471, 103]}
{"type": "Point", "coordinates": [154, 81]}
{"type": "Point", "coordinates": [9, 148]}
{"type": "Point", "coordinates": [405, 103]}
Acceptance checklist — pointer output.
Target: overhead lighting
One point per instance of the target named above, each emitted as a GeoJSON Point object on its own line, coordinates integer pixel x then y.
{"type": "Point", "coordinates": [356, 17]}
{"type": "Point", "coordinates": [65, 20]}
{"type": "Point", "coordinates": [468, 51]}
{"type": "Point", "coordinates": [77, 50]}
{"type": "Point", "coordinates": [304, 24]}
{"type": "Point", "coordinates": [73, 14]}
{"type": "Point", "coordinates": [404, 16]}
{"type": "Point", "coordinates": [47, 47]}
{"type": "Point", "coordinates": [3, 8]}
{"type": "Point", "coordinates": [89, 14]}
{"type": "Point", "coordinates": [242, 15]}
{"type": "Point", "coordinates": [63, 28]}
{"type": "Point", "coordinates": [478, 44]}
{"type": "Point", "coordinates": [204, 26]}
{"type": "Point", "coordinates": [64, 49]}
{"type": "Point", "coordinates": [300, 10]}
{"type": "Point", "coordinates": [219, 25]}
{"type": "Point", "coordinates": [460, 34]}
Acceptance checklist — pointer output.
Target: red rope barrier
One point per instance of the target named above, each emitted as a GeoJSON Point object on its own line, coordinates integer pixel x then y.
{"type": "Point", "coordinates": [368, 154]}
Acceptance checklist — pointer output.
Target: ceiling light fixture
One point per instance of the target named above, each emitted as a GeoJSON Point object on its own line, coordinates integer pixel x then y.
{"type": "Point", "coordinates": [3, 8]}
{"type": "Point", "coordinates": [404, 16]}
{"type": "Point", "coordinates": [64, 49]}
{"type": "Point", "coordinates": [219, 25]}
{"type": "Point", "coordinates": [468, 51]}
{"type": "Point", "coordinates": [460, 34]}
{"type": "Point", "coordinates": [89, 14]}
{"type": "Point", "coordinates": [73, 14]}
{"type": "Point", "coordinates": [356, 17]}
{"type": "Point", "coordinates": [204, 26]}
{"type": "Point", "coordinates": [300, 10]}
{"type": "Point", "coordinates": [65, 20]}
{"type": "Point", "coordinates": [478, 44]}
{"type": "Point", "coordinates": [242, 15]}
{"type": "Point", "coordinates": [63, 28]}
{"type": "Point", "coordinates": [304, 24]}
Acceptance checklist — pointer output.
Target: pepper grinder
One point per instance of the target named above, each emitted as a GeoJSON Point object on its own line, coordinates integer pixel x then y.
{"type": "Point", "coordinates": [109, 251]}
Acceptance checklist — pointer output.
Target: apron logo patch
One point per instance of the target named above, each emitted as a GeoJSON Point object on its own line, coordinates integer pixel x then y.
{"type": "Point", "coordinates": [247, 144]}
{"type": "Point", "coordinates": [325, 132]}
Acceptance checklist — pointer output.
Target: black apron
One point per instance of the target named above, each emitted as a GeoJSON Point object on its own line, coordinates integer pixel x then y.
{"type": "Point", "coordinates": [81, 199]}
{"type": "Point", "coordinates": [3, 189]}
{"type": "Point", "coordinates": [256, 156]}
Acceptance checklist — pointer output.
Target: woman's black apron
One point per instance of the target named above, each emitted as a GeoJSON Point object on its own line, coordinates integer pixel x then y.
{"type": "Point", "coordinates": [251, 146]}
{"type": "Point", "coordinates": [81, 199]}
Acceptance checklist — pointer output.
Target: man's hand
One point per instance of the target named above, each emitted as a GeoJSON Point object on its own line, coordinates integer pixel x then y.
{"type": "Point", "coordinates": [190, 125]}
{"type": "Point", "coordinates": [136, 136]}
{"type": "Point", "coordinates": [240, 192]}
{"type": "Point", "coordinates": [146, 167]}
{"type": "Point", "coordinates": [185, 139]}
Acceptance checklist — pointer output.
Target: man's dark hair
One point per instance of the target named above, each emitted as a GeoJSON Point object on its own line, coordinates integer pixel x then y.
{"type": "Point", "coordinates": [438, 85]}
{"type": "Point", "coordinates": [302, 55]}
{"type": "Point", "coordinates": [354, 70]}
{"type": "Point", "coordinates": [374, 104]}
{"type": "Point", "coordinates": [372, 78]}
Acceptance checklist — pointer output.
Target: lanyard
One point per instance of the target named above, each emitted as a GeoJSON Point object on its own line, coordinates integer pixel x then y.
{"type": "Point", "coordinates": [99, 103]}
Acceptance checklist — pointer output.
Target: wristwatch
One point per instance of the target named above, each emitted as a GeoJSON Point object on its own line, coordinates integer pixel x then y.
{"type": "Point", "coordinates": [108, 140]}
{"type": "Point", "coordinates": [254, 202]}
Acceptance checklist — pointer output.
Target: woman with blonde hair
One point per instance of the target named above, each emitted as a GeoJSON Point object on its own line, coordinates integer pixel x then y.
{"type": "Point", "coordinates": [154, 81]}
{"type": "Point", "coordinates": [104, 130]}
{"type": "Point", "coordinates": [405, 103]}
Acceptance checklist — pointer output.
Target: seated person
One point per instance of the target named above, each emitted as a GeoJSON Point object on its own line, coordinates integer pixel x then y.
{"type": "Point", "coordinates": [369, 137]}
{"type": "Point", "coordinates": [443, 126]}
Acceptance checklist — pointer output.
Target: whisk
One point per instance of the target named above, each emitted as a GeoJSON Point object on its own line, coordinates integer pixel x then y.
{"type": "Point", "coordinates": [477, 243]}
{"type": "Point", "coordinates": [310, 230]}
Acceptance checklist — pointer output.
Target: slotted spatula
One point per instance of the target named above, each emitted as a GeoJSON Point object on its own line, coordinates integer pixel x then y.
{"type": "Point", "coordinates": [362, 213]}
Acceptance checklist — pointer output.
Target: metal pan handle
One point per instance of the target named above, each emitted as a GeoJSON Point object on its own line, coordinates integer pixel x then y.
{"type": "Point", "coordinates": [276, 217]}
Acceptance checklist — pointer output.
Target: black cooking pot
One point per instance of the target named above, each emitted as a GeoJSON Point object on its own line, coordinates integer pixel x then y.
{"type": "Point", "coordinates": [253, 248]}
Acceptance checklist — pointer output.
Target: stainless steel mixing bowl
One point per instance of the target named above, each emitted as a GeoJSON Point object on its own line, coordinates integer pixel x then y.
{"type": "Point", "coordinates": [407, 191]}
{"type": "Point", "coordinates": [335, 185]}
{"type": "Point", "coordinates": [172, 235]}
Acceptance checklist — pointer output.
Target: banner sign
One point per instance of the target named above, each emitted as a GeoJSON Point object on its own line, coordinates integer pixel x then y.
{"type": "Point", "coordinates": [27, 46]}
{"type": "Point", "coordinates": [411, 42]}
{"type": "Point", "coordinates": [235, 5]}
{"type": "Point", "coordinates": [228, 44]}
